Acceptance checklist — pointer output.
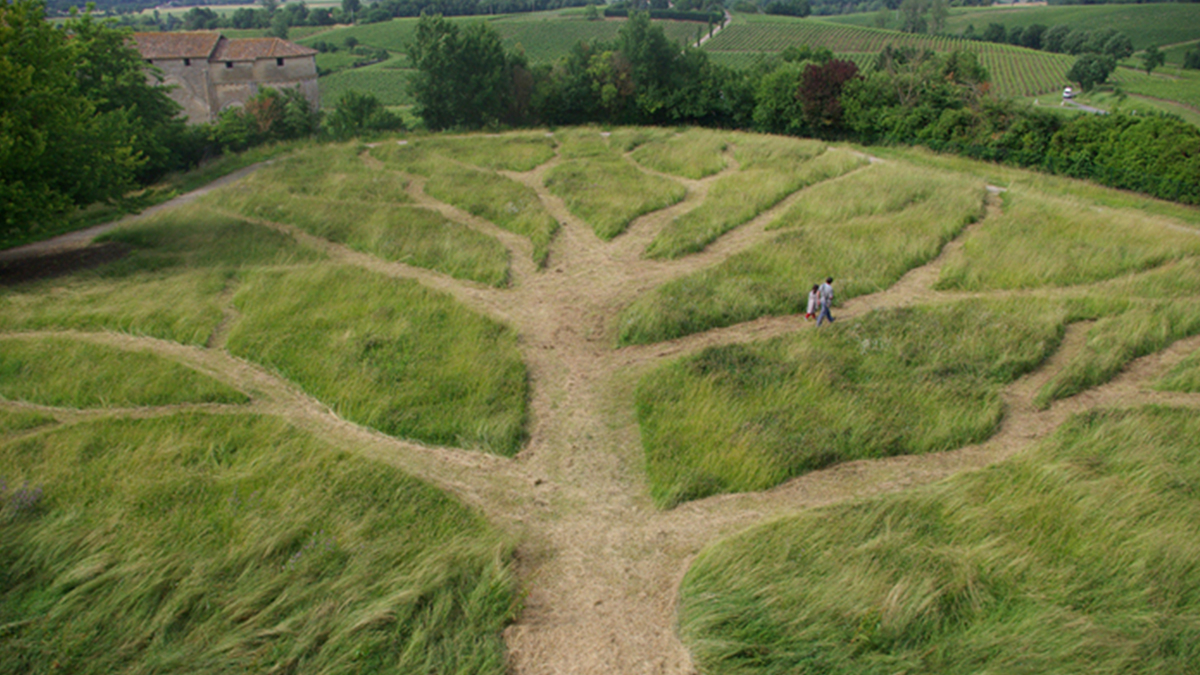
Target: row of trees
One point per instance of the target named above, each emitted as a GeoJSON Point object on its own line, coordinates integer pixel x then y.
{"type": "Point", "coordinates": [466, 80]}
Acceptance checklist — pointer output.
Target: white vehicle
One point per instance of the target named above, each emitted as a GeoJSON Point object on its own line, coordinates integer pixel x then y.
{"type": "Point", "coordinates": [1067, 93]}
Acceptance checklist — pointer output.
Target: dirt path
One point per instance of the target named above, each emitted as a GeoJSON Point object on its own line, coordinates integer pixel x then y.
{"type": "Point", "coordinates": [601, 565]}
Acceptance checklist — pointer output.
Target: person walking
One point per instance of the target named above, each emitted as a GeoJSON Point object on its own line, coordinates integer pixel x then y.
{"type": "Point", "coordinates": [825, 293]}
{"type": "Point", "coordinates": [814, 303]}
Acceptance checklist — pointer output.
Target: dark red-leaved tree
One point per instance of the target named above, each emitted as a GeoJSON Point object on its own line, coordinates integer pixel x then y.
{"type": "Point", "coordinates": [820, 92]}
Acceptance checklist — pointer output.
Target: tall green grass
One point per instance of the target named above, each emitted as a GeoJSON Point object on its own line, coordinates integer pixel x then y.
{"type": "Point", "coordinates": [388, 354]}
{"type": "Point", "coordinates": [1077, 557]}
{"type": "Point", "coordinates": [12, 421]}
{"type": "Point", "coordinates": [334, 172]}
{"type": "Point", "coordinates": [503, 201]}
{"type": "Point", "coordinates": [865, 230]}
{"type": "Point", "coordinates": [232, 543]}
{"type": "Point", "coordinates": [1044, 240]}
{"type": "Point", "coordinates": [169, 286]}
{"type": "Point", "coordinates": [1146, 327]}
{"type": "Point", "coordinates": [413, 235]}
{"type": "Point", "coordinates": [737, 198]}
{"type": "Point", "coordinates": [609, 193]}
{"type": "Point", "coordinates": [747, 417]}
{"type": "Point", "coordinates": [521, 151]}
{"type": "Point", "coordinates": [1185, 376]}
{"type": "Point", "coordinates": [60, 371]}
{"type": "Point", "coordinates": [693, 153]}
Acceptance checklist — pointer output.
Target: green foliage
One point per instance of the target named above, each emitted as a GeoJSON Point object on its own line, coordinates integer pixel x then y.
{"type": "Point", "coordinates": [66, 138]}
{"type": "Point", "coordinates": [387, 354]}
{"type": "Point", "coordinates": [60, 371]}
{"type": "Point", "coordinates": [360, 114]}
{"type": "Point", "coordinates": [1077, 557]}
{"type": "Point", "coordinates": [1091, 69]}
{"type": "Point", "coordinates": [747, 417]}
{"type": "Point", "coordinates": [175, 544]}
{"type": "Point", "coordinates": [272, 115]}
{"type": "Point", "coordinates": [1152, 58]}
{"type": "Point", "coordinates": [462, 78]}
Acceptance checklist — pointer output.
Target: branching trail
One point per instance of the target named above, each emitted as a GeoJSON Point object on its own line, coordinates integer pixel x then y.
{"type": "Point", "coordinates": [600, 564]}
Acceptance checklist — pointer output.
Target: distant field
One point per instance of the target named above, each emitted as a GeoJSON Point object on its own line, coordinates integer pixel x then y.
{"type": "Point", "coordinates": [1150, 24]}
{"type": "Point", "coordinates": [1015, 71]}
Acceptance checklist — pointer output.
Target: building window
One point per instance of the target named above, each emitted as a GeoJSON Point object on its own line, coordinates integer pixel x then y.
{"type": "Point", "coordinates": [279, 62]}
{"type": "Point", "coordinates": [187, 62]}
{"type": "Point", "coordinates": [229, 64]}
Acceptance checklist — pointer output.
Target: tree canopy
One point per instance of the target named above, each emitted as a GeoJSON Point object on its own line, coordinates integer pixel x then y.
{"type": "Point", "coordinates": [77, 118]}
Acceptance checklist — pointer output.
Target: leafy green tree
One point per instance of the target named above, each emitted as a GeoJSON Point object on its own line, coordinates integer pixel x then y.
{"type": "Point", "coordinates": [1055, 37]}
{"type": "Point", "coordinates": [1153, 58]}
{"type": "Point", "coordinates": [939, 11]}
{"type": "Point", "coordinates": [1119, 46]}
{"type": "Point", "coordinates": [1032, 37]}
{"type": "Point", "coordinates": [1191, 60]}
{"type": "Point", "coordinates": [67, 133]}
{"type": "Point", "coordinates": [777, 109]}
{"type": "Point", "coordinates": [995, 32]}
{"type": "Point", "coordinates": [912, 16]}
{"type": "Point", "coordinates": [1090, 70]}
{"type": "Point", "coordinates": [463, 79]}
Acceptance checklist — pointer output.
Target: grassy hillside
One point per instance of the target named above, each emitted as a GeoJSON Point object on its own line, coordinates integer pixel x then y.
{"type": "Point", "coordinates": [1077, 557]}
{"type": "Point", "coordinates": [177, 544]}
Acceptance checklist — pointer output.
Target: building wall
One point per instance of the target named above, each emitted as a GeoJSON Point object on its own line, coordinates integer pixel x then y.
{"type": "Point", "coordinates": [190, 86]}
{"type": "Point", "coordinates": [235, 82]}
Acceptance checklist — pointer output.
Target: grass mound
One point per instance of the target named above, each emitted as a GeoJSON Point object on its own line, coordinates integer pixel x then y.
{"type": "Point", "coordinates": [747, 417]}
{"type": "Point", "coordinates": [866, 237]}
{"type": "Point", "coordinates": [60, 371]}
{"type": "Point", "coordinates": [1078, 557]}
{"type": "Point", "coordinates": [388, 354]}
{"type": "Point", "coordinates": [1042, 240]}
{"type": "Point", "coordinates": [174, 545]}
{"type": "Point", "coordinates": [770, 169]}
{"type": "Point", "coordinates": [609, 193]}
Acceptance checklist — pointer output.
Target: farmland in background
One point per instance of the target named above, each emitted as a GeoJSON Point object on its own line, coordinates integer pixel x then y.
{"type": "Point", "coordinates": [1015, 71]}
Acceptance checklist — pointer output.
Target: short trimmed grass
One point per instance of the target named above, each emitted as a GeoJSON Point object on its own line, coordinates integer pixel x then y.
{"type": "Point", "coordinates": [389, 354]}
{"type": "Point", "coordinates": [1077, 557]}
{"type": "Point", "coordinates": [866, 230]}
{"type": "Point", "coordinates": [65, 372]}
{"type": "Point", "coordinates": [763, 181]}
{"type": "Point", "coordinates": [747, 417]}
{"type": "Point", "coordinates": [204, 543]}
{"type": "Point", "coordinates": [608, 194]}
{"type": "Point", "coordinates": [1043, 240]}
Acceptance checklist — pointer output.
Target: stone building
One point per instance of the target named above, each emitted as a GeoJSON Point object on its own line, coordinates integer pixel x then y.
{"type": "Point", "coordinates": [210, 72]}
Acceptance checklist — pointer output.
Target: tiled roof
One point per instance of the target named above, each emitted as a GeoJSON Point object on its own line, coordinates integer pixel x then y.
{"type": "Point", "coordinates": [250, 49]}
{"type": "Point", "coordinates": [181, 45]}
